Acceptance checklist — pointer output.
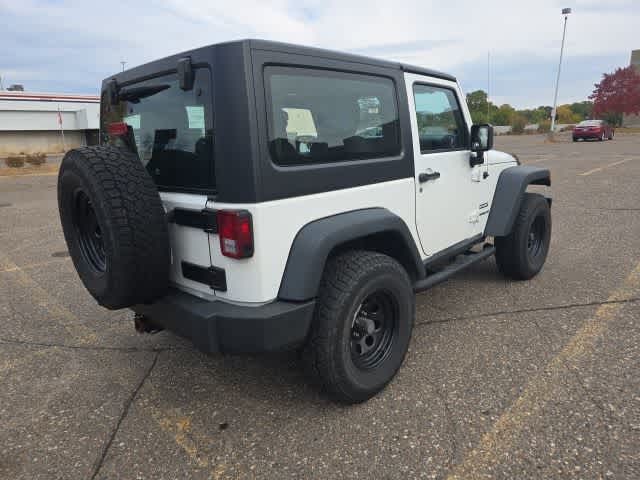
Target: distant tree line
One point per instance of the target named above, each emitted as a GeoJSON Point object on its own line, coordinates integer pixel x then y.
{"type": "Point", "coordinates": [618, 93]}
{"type": "Point", "coordinates": [484, 111]}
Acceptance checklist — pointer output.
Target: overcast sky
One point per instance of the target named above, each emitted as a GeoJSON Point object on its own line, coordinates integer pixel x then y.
{"type": "Point", "coordinates": [71, 45]}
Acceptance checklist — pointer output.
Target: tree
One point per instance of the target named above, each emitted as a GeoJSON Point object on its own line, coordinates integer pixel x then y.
{"type": "Point", "coordinates": [617, 93]}
{"type": "Point", "coordinates": [503, 115]}
{"type": "Point", "coordinates": [518, 122]}
{"type": "Point", "coordinates": [564, 114]}
{"type": "Point", "coordinates": [536, 115]}
{"type": "Point", "coordinates": [583, 109]}
{"type": "Point", "coordinates": [478, 105]}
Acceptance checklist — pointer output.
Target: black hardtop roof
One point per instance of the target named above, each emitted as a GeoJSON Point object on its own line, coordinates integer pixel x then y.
{"type": "Point", "coordinates": [167, 62]}
{"type": "Point", "coordinates": [334, 55]}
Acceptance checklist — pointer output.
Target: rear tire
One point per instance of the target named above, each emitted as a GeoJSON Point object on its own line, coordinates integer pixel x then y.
{"type": "Point", "coordinates": [522, 253]}
{"type": "Point", "coordinates": [362, 325]}
{"type": "Point", "coordinates": [114, 225]}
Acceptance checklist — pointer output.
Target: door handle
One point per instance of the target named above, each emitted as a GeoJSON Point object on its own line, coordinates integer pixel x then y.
{"type": "Point", "coordinates": [425, 177]}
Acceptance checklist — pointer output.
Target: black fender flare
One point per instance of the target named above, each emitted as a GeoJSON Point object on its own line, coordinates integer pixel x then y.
{"type": "Point", "coordinates": [512, 183]}
{"type": "Point", "coordinates": [314, 242]}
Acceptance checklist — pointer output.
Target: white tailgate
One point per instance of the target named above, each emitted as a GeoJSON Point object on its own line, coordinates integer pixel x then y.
{"type": "Point", "coordinates": [188, 244]}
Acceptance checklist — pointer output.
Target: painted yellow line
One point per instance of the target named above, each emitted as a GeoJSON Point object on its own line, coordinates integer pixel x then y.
{"type": "Point", "coordinates": [179, 427]}
{"type": "Point", "coordinates": [43, 170]}
{"type": "Point", "coordinates": [599, 169]}
{"type": "Point", "coordinates": [40, 296]}
{"type": "Point", "coordinates": [16, 268]}
{"type": "Point", "coordinates": [21, 175]}
{"type": "Point", "coordinates": [496, 445]}
{"type": "Point", "coordinates": [7, 365]}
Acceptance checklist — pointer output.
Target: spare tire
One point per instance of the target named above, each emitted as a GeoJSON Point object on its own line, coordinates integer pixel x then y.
{"type": "Point", "coordinates": [114, 225]}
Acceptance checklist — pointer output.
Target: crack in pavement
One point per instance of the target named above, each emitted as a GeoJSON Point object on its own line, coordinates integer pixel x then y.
{"type": "Point", "coordinates": [9, 341]}
{"type": "Point", "coordinates": [602, 209]}
{"type": "Point", "coordinates": [125, 411]}
{"type": "Point", "coordinates": [528, 310]}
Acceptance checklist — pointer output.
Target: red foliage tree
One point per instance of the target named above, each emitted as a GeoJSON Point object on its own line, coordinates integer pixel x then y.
{"type": "Point", "coordinates": [617, 93]}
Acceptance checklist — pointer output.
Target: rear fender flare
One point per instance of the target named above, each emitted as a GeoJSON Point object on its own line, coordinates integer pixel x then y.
{"type": "Point", "coordinates": [315, 241]}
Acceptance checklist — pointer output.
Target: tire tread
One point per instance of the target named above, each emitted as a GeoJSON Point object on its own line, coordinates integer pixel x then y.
{"type": "Point", "coordinates": [341, 276]}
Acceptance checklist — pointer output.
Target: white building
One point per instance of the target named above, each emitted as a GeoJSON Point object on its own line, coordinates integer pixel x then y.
{"type": "Point", "coordinates": [33, 122]}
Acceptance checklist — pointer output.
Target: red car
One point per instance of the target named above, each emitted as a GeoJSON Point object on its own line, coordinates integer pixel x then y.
{"type": "Point", "coordinates": [598, 129]}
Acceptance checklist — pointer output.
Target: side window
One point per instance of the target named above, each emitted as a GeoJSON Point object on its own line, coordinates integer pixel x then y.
{"type": "Point", "coordinates": [441, 125]}
{"type": "Point", "coordinates": [318, 116]}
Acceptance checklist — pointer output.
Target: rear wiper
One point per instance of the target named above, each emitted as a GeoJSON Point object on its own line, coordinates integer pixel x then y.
{"type": "Point", "coordinates": [134, 94]}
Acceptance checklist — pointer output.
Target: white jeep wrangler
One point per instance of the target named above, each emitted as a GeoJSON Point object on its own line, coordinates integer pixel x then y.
{"type": "Point", "coordinates": [256, 196]}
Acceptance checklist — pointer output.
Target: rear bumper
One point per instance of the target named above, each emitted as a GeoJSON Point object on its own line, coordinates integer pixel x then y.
{"type": "Point", "coordinates": [216, 326]}
{"type": "Point", "coordinates": [577, 135]}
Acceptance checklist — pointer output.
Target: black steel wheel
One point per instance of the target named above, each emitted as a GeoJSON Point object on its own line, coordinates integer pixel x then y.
{"type": "Point", "coordinates": [362, 325]}
{"type": "Point", "coordinates": [536, 238]}
{"type": "Point", "coordinates": [374, 328]}
{"type": "Point", "coordinates": [89, 232]}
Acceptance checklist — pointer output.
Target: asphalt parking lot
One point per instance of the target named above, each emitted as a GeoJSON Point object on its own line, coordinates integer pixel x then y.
{"type": "Point", "coordinates": [503, 379]}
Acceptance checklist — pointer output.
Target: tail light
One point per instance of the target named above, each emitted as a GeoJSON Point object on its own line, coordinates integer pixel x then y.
{"type": "Point", "coordinates": [117, 129]}
{"type": "Point", "coordinates": [235, 230]}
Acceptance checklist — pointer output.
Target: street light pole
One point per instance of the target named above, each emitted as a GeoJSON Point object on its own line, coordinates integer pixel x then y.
{"type": "Point", "coordinates": [123, 63]}
{"type": "Point", "coordinates": [565, 12]}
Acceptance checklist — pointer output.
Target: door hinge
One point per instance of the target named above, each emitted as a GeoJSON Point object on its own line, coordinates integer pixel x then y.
{"type": "Point", "coordinates": [205, 219]}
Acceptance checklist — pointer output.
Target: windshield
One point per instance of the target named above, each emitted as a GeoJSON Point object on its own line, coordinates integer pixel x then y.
{"type": "Point", "coordinates": [169, 129]}
{"type": "Point", "coordinates": [590, 123]}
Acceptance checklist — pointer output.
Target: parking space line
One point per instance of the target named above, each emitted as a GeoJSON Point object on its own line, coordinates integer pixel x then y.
{"type": "Point", "coordinates": [43, 174]}
{"type": "Point", "coordinates": [16, 268]}
{"type": "Point", "coordinates": [179, 427]}
{"type": "Point", "coordinates": [599, 169]}
{"type": "Point", "coordinates": [8, 365]}
{"type": "Point", "coordinates": [495, 445]}
{"type": "Point", "coordinates": [41, 297]}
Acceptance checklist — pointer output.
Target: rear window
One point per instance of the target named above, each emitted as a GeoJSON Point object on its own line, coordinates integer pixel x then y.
{"type": "Point", "coordinates": [319, 116]}
{"type": "Point", "coordinates": [590, 123]}
{"type": "Point", "coordinates": [170, 129]}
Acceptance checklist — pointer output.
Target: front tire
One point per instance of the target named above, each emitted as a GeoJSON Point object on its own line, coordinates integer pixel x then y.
{"type": "Point", "coordinates": [362, 325]}
{"type": "Point", "coordinates": [522, 253]}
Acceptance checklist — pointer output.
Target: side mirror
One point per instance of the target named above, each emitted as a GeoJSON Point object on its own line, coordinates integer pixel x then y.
{"type": "Point", "coordinates": [185, 73]}
{"type": "Point", "coordinates": [481, 141]}
{"type": "Point", "coordinates": [481, 137]}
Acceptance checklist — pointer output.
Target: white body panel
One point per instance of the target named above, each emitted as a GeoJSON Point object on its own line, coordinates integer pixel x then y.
{"type": "Point", "coordinates": [188, 244]}
{"type": "Point", "coordinates": [276, 223]}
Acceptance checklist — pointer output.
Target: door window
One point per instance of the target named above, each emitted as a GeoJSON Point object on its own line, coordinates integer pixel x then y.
{"type": "Point", "coordinates": [441, 125]}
